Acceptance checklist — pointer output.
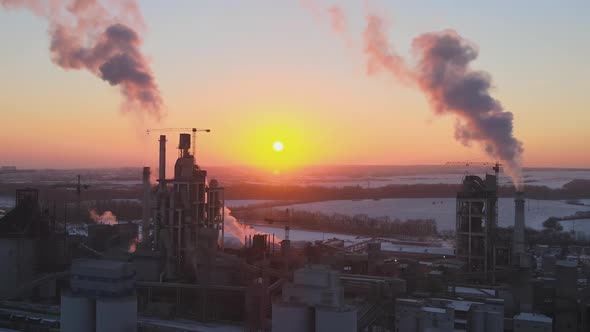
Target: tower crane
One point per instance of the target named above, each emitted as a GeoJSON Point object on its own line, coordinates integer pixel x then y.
{"type": "Point", "coordinates": [78, 186]}
{"type": "Point", "coordinates": [193, 130]}
{"type": "Point", "coordinates": [496, 166]}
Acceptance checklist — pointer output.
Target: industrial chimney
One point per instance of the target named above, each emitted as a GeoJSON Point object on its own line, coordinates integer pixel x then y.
{"type": "Point", "coordinates": [518, 234]}
{"type": "Point", "coordinates": [521, 261]}
{"type": "Point", "coordinates": [146, 200]}
{"type": "Point", "coordinates": [162, 167]}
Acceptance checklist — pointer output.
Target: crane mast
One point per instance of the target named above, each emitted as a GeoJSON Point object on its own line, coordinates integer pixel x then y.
{"type": "Point", "coordinates": [193, 130]}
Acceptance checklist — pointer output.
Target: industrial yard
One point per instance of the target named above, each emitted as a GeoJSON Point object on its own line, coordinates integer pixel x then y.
{"type": "Point", "coordinates": [294, 166]}
{"type": "Point", "coordinates": [186, 263]}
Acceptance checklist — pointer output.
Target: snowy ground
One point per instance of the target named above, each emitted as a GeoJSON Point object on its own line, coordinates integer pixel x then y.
{"type": "Point", "coordinates": [186, 325]}
{"type": "Point", "coordinates": [6, 201]}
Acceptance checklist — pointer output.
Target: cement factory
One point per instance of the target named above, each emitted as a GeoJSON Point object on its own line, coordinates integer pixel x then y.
{"type": "Point", "coordinates": [179, 275]}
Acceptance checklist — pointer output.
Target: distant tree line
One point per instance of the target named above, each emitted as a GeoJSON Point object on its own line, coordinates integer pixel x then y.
{"type": "Point", "coordinates": [551, 234]}
{"type": "Point", "coordinates": [576, 189]}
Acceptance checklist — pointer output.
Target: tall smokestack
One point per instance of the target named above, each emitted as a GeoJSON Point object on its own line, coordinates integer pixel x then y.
{"type": "Point", "coordinates": [521, 261]}
{"type": "Point", "coordinates": [162, 167]}
{"type": "Point", "coordinates": [518, 233]}
{"type": "Point", "coordinates": [146, 201]}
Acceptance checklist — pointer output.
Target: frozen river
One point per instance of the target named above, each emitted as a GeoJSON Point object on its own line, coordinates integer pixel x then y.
{"type": "Point", "coordinates": [440, 209]}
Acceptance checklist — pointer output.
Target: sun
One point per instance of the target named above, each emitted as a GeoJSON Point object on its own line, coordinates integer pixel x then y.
{"type": "Point", "coordinates": [278, 146]}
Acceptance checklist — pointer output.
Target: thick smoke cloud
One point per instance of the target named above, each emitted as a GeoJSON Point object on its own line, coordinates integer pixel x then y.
{"type": "Point", "coordinates": [85, 35]}
{"type": "Point", "coordinates": [442, 71]}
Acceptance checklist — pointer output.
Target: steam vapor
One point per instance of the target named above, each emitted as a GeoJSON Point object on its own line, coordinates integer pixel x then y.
{"type": "Point", "coordinates": [333, 15]}
{"type": "Point", "coordinates": [338, 21]}
{"type": "Point", "coordinates": [85, 35]}
{"type": "Point", "coordinates": [237, 231]}
{"type": "Point", "coordinates": [107, 218]}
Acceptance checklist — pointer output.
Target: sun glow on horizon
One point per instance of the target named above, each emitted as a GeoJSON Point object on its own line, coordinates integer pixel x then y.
{"type": "Point", "coordinates": [278, 146]}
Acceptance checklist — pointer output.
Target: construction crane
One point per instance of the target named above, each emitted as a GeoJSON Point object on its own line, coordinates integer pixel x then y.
{"type": "Point", "coordinates": [78, 186]}
{"type": "Point", "coordinates": [496, 166]}
{"type": "Point", "coordinates": [193, 130]}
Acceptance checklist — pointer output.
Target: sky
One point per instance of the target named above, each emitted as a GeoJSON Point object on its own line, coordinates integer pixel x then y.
{"type": "Point", "coordinates": [260, 71]}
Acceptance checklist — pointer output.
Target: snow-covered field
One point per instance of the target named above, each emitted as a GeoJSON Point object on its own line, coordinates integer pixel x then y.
{"type": "Point", "coordinates": [581, 226]}
{"type": "Point", "coordinates": [6, 201]}
{"type": "Point", "coordinates": [440, 209]}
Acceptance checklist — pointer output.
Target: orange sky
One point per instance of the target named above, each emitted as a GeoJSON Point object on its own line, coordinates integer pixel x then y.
{"type": "Point", "coordinates": [309, 91]}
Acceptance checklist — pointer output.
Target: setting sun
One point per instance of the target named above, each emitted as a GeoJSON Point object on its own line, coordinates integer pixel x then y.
{"type": "Point", "coordinates": [278, 146]}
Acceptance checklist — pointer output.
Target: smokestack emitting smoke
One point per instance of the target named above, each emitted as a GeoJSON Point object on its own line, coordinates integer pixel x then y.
{"type": "Point", "coordinates": [107, 218]}
{"type": "Point", "coordinates": [443, 73]}
{"type": "Point", "coordinates": [234, 229]}
{"type": "Point", "coordinates": [86, 35]}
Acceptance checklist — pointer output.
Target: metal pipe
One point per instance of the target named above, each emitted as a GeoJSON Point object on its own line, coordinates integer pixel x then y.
{"type": "Point", "coordinates": [146, 215]}
{"type": "Point", "coordinates": [162, 166]}
{"type": "Point", "coordinates": [519, 225]}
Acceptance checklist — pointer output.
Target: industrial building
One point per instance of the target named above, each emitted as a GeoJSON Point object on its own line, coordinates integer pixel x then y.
{"type": "Point", "coordinates": [314, 301]}
{"type": "Point", "coordinates": [477, 222]}
{"type": "Point", "coordinates": [527, 322]}
{"type": "Point", "coordinates": [445, 314]}
{"type": "Point", "coordinates": [175, 274]}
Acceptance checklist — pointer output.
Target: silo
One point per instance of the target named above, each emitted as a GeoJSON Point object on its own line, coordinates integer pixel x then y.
{"type": "Point", "coordinates": [292, 318]}
{"type": "Point", "coordinates": [330, 319]}
{"type": "Point", "coordinates": [477, 319]}
{"type": "Point", "coordinates": [77, 314]}
{"type": "Point", "coordinates": [494, 322]}
{"type": "Point", "coordinates": [116, 314]}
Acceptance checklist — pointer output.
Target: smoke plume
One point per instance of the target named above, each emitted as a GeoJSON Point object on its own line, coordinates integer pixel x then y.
{"type": "Point", "coordinates": [444, 75]}
{"type": "Point", "coordinates": [236, 232]}
{"type": "Point", "coordinates": [442, 71]}
{"type": "Point", "coordinates": [380, 54]}
{"type": "Point", "coordinates": [334, 15]}
{"type": "Point", "coordinates": [107, 218]}
{"type": "Point", "coordinates": [337, 19]}
{"type": "Point", "coordinates": [86, 35]}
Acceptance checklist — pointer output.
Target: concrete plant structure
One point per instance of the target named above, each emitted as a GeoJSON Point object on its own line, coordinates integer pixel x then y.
{"type": "Point", "coordinates": [529, 322]}
{"type": "Point", "coordinates": [477, 220]}
{"type": "Point", "coordinates": [188, 217]}
{"type": "Point", "coordinates": [102, 298]}
{"type": "Point", "coordinates": [315, 299]}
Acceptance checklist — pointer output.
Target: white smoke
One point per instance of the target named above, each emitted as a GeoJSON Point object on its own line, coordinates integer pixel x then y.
{"type": "Point", "coordinates": [107, 218]}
